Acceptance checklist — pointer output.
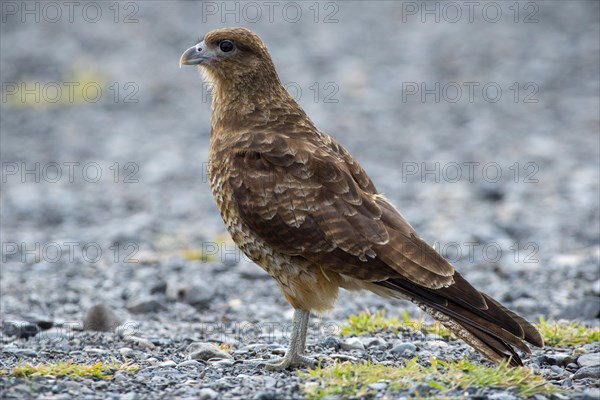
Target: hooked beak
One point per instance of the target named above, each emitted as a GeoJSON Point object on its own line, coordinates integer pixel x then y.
{"type": "Point", "coordinates": [196, 55]}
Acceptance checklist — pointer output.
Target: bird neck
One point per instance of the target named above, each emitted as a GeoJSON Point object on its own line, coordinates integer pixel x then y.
{"type": "Point", "coordinates": [237, 105]}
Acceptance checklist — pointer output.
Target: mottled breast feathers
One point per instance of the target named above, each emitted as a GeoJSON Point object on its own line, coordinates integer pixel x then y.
{"type": "Point", "coordinates": [304, 195]}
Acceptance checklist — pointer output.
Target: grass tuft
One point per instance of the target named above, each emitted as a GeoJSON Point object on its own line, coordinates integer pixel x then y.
{"type": "Point", "coordinates": [565, 333]}
{"type": "Point", "coordinates": [345, 379]}
{"type": "Point", "coordinates": [70, 369]}
{"type": "Point", "coordinates": [366, 322]}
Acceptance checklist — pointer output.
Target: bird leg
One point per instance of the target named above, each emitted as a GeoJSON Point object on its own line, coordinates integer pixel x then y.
{"type": "Point", "coordinates": [294, 355]}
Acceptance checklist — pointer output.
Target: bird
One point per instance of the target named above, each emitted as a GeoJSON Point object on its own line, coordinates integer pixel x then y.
{"type": "Point", "coordinates": [298, 204]}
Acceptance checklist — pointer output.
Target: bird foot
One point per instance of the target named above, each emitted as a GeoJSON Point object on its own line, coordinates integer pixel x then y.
{"type": "Point", "coordinates": [282, 363]}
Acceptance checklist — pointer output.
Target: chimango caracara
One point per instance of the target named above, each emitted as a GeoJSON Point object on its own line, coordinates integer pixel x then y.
{"type": "Point", "coordinates": [299, 205]}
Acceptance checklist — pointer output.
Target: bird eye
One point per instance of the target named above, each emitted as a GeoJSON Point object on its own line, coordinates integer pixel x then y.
{"type": "Point", "coordinates": [226, 46]}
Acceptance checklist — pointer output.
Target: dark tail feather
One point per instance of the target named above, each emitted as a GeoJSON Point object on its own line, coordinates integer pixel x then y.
{"type": "Point", "coordinates": [531, 334]}
{"type": "Point", "coordinates": [485, 325]}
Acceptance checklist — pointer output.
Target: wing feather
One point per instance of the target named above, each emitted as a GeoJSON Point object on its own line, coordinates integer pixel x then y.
{"type": "Point", "coordinates": [306, 197]}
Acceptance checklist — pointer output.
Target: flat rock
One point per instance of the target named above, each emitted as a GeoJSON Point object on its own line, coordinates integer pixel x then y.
{"type": "Point", "coordinates": [145, 306]}
{"type": "Point", "coordinates": [589, 359]}
{"type": "Point", "coordinates": [353, 343]}
{"type": "Point", "coordinates": [403, 348]}
{"type": "Point", "coordinates": [368, 341]}
{"type": "Point", "coordinates": [592, 372]}
{"type": "Point", "coordinates": [206, 351]}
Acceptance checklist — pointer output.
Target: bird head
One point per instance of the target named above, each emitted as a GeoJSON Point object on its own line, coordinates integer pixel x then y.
{"type": "Point", "coordinates": [232, 56]}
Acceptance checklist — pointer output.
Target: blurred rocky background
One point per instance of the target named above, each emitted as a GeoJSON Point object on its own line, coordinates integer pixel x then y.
{"type": "Point", "coordinates": [479, 120]}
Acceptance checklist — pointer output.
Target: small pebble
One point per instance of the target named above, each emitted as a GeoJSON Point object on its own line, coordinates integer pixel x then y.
{"type": "Point", "coordinates": [265, 395]}
{"type": "Point", "coordinates": [378, 386]}
{"type": "Point", "coordinates": [189, 363]}
{"type": "Point", "coordinates": [437, 343]}
{"type": "Point", "coordinates": [572, 367]}
{"type": "Point", "coordinates": [331, 342]}
{"type": "Point", "coordinates": [353, 343]}
{"type": "Point", "coordinates": [168, 363]}
{"type": "Point", "coordinates": [126, 352]}
{"type": "Point", "coordinates": [403, 347]}
{"type": "Point", "coordinates": [207, 394]}
{"type": "Point", "coordinates": [205, 352]}
{"type": "Point", "coordinates": [95, 350]}
{"type": "Point", "coordinates": [221, 363]}
{"type": "Point", "coordinates": [558, 359]}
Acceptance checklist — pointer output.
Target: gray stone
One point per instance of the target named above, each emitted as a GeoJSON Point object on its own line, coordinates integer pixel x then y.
{"type": "Point", "coordinates": [557, 370]}
{"type": "Point", "coordinates": [559, 359]}
{"type": "Point", "coordinates": [145, 306]}
{"type": "Point", "coordinates": [420, 390]}
{"type": "Point", "coordinates": [591, 394]}
{"type": "Point", "coordinates": [572, 367]}
{"type": "Point", "coordinates": [198, 296]}
{"type": "Point", "coordinates": [221, 363]}
{"type": "Point", "coordinates": [19, 329]}
{"type": "Point", "coordinates": [352, 343]}
{"type": "Point", "coordinates": [21, 352]}
{"type": "Point", "coordinates": [100, 385]}
{"type": "Point", "coordinates": [343, 357]}
{"type": "Point", "coordinates": [266, 395]}
{"type": "Point", "coordinates": [404, 348]}
{"type": "Point", "coordinates": [56, 334]}
{"type": "Point", "coordinates": [95, 350]}
{"type": "Point", "coordinates": [592, 372]}
{"type": "Point", "coordinates": [168, 363]}
{"type": "Point", "coordinates": [585, 309]}
{"type": "Point", "coordinates": [207, 394]}
{"type": "Point", "coordinates": [502, 396]}
{"type": "Point", "coordinates": [126, 352]}
{"type": "Point", "coordinates": [269, 382]}
{"type": "Point", "coordinates": [331, 342]}
{"type": "Point", "coordinates": [588, 359]}
{"type": "Point", "coordinates": [206, 351]}
{"type": "Point", "coordinates": [189, 363]}
{"type": "Point", "coordinates": [368, 341]}
{"type": "Point", "coordinates": [378, 386]}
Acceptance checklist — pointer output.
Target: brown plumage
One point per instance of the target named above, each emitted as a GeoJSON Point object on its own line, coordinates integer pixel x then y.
{"type": "Point", "coordinates": [299, 205]}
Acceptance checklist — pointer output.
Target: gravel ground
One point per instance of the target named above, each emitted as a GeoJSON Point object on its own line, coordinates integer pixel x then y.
{"type": "Point", "coordinates": [484, 132]}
